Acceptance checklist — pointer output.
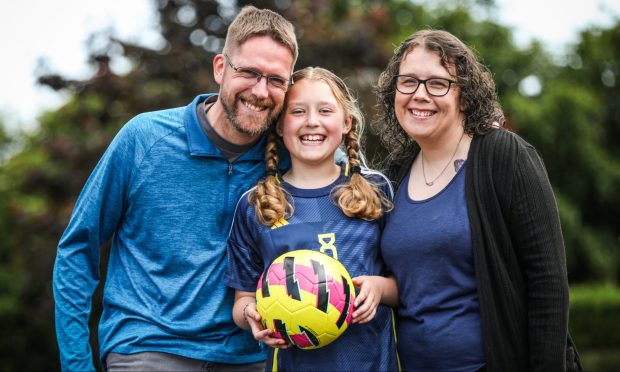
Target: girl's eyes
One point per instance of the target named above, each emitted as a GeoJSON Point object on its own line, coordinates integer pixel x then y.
{"type": "Point", "coordinates": [299, 111]}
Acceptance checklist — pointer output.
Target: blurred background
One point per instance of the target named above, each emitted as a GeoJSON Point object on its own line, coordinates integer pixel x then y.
{"type": "Point", "coordinates": [565, 101]}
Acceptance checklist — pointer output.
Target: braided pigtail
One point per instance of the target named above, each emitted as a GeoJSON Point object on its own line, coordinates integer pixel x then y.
{"type": "Point", "coordinates": [270, 200]}
{"type": "Point", "coordinates": [359, 197]}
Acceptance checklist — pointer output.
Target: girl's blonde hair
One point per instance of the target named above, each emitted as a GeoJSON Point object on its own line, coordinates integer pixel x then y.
{"type": "Point", "coordinates": [358, 197]}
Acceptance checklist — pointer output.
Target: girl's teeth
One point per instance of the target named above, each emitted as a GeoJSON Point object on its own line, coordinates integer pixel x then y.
{"type": "Point", "coordinates": [312, 138]}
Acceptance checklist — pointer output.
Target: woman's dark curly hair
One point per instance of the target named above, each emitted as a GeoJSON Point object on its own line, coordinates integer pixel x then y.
{"type": "Point", "coordinates": [478, 97]}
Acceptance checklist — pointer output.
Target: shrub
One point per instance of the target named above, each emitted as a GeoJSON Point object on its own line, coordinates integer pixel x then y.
{"type": "Point", "coordinates": [595, 316]}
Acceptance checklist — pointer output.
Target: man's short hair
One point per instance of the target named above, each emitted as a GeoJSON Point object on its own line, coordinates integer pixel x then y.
{"type": "Point", "coordinates": [252, 22]}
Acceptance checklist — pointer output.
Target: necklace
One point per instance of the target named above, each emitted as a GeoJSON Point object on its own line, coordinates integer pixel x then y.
{"type": "Point", "coordinates": [431, 183]}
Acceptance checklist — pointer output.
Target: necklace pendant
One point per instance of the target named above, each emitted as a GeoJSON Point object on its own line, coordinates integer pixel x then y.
{"type": "Point", "coordinates": [431, 183]}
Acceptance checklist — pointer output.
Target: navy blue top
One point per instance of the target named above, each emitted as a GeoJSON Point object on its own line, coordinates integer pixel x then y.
{"type": "Point", "coordinates": [318, 224]}
{"type": "Point", "coordinates": [427, 245]}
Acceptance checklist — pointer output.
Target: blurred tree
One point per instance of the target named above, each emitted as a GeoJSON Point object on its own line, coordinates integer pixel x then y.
{"type": "Point", "coordinates": [574, 122]}
{"type": "Point", "coordinates": [5, 142]}
{"type": "Point", "coordinates": [595, 67]}
{"type": "Point", "coordinates": [570, 113]}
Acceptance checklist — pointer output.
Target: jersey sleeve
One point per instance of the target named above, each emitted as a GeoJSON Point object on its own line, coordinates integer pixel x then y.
{"type": "Point", "coordinates": [385, 186]}
{"type": "Point", "coordinates": [245, 264]}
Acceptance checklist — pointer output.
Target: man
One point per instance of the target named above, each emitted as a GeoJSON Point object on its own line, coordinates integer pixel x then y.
{"type": "Point", "coordinates": [165, 193]}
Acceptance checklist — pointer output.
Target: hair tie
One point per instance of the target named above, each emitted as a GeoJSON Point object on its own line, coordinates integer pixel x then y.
{"type": "Point", "coordinates": [274, 174]}
{"type": "Point", "coordinates": [355, 169]}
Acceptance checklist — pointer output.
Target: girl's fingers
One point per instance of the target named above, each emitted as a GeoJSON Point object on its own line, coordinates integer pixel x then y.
{"type": "Point", "coordinates": [260, 335]}
{"type": "Point", "coordinates": [367, 317]}
{"type": "Point", "coordinates": [275, 342]}
{"type": "Point", "coordinates": [360, 311]}
{"type": "Point", "coordinates": [359, 299]}
{"type": "Point", "coordinates": [361, 296]}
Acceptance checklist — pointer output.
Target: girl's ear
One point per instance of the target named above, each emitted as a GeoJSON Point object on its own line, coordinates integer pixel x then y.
{"type": "Point", "coordinates": [279, 127]}
{"type": "Point", "coordinates": [348, 125]}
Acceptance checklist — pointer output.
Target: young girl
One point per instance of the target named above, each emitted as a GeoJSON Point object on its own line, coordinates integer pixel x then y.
{"type": "Point", "coordinates": [320, 205]}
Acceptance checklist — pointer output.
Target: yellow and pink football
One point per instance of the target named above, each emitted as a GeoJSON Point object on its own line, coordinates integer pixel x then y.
{"type": "Point", "coordinates": [306, 297]}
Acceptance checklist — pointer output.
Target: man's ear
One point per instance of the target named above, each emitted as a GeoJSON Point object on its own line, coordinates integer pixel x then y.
{"type": "Point", "coordinates": [219, 64]}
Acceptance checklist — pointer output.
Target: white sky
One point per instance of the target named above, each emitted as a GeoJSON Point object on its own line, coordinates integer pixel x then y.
{"type": "Point", "coordinates": [57, 31]}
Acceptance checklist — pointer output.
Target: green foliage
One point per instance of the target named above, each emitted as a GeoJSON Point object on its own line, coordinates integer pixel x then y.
{"type": "Point", "coordinates": [590, 254]}
{"type": "Point", "coordinates": [4, 137]}
{"type": "Point", "coordinates": [607, 359]}
{"type": "Point", "coordinates": [594, 314]}
{"type": "Point", "coordinates": [564, 124]}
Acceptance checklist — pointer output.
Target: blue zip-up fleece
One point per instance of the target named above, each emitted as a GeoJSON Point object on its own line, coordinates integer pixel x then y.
{"type": "Point", "coordinates": [165, 195]}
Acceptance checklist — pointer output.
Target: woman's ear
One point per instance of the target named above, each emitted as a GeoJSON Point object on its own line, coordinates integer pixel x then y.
{"type": "Point", "coordinates": [463, 104]}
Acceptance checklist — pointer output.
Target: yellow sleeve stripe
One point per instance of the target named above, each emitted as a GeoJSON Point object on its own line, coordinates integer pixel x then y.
{"type": "Point", "coordinates": [279, 223]}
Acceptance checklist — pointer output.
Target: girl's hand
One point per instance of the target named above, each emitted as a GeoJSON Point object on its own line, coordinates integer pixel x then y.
{"type": "Point", "coordinates": [261, 334]}
{"type": "Point", "coordinates": [366, 302]}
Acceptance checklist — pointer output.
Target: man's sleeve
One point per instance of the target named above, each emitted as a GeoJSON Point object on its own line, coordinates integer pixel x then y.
{"type": "Point", "coordinates": [95, 218]}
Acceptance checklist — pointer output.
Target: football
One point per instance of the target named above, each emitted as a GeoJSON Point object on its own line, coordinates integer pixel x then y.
{"type": "Point", "coordinates": [306, 297]}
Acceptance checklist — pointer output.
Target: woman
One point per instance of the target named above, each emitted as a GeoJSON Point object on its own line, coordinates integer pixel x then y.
{"type": "Point", "coordinates": [474, 240]}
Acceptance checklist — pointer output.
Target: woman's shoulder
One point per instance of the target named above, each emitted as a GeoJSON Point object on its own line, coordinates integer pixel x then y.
{"type": "Point", "coordinates": [502, 137]}
{"type": "Point", "coordinates": [500, 143]}
{"type": "Point", "coordinates": [397, 168]}
{"type": "Point", "coordinates": [506, 155]}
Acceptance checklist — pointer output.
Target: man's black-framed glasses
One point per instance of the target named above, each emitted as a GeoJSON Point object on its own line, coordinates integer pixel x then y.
{"type": "Point", "coordinates": [436, 87]}
{"type": "Point", "coordinates": [275, 81]}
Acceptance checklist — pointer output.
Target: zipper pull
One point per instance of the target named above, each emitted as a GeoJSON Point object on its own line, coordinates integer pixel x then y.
{"type": "Point", "coordinates": [229, 169]}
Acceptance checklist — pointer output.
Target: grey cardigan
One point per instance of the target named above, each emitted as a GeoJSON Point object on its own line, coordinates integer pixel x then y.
{"type": "Point", "coordinates": [518, 254]}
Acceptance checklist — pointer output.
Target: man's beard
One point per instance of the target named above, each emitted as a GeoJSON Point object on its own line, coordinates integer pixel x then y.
{"type": "Point", "coordinates": [232, 114]}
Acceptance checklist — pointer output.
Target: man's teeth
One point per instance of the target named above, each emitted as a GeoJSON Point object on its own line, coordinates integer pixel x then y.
{"type": "Point", "coordinates": [422, 113]}
{"type": "Point", "coordinates": [312, 137]}
{"type": "Point", "coordinates": [252, 107]}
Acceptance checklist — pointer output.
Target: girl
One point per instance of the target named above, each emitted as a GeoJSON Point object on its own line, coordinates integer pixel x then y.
{"type": "Point", "coordinates": [320, 205]}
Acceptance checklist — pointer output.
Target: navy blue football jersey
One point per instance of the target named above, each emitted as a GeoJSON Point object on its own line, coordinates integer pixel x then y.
{"type": "Point", "coordinates": [318, 224]}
